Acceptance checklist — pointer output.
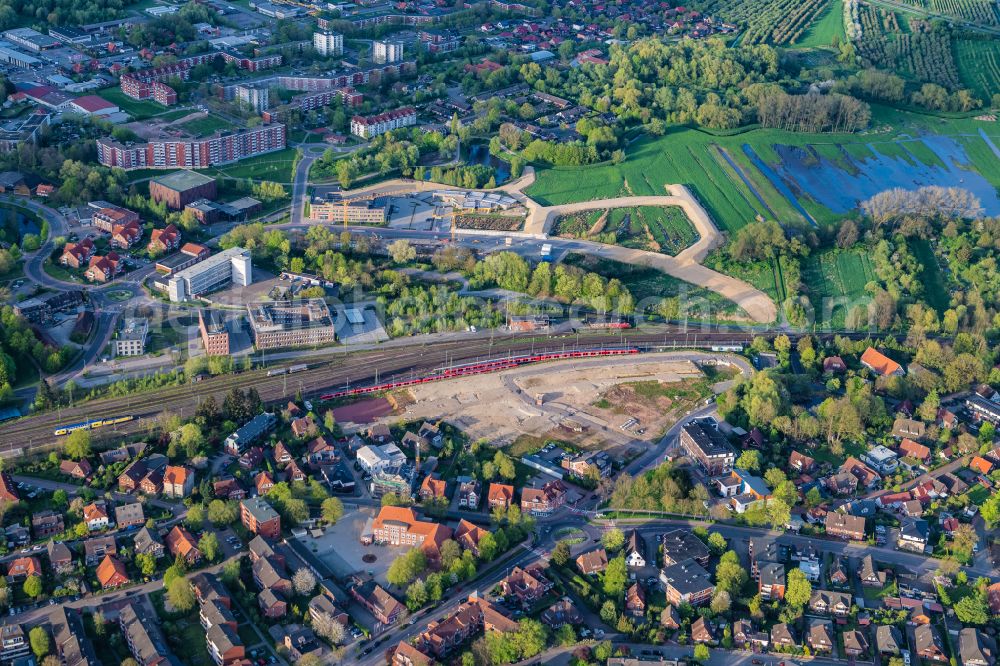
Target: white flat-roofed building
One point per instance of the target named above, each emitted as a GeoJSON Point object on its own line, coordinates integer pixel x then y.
{"type": "Point", "coordinates": [386, 51]}
{"type": "Point", "coordinates": [232, 266]}
{"type": "Point", "coordinates": [882, 459]}
{"type": "Point", "coordinates": [368, 126]}
{"type": "Point", "coordinates": [131, 338]}
{"type": "Point", "coordinates": [328, 43]}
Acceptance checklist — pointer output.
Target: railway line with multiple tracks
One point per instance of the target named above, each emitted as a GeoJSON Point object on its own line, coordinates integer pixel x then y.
{"type": "Point", "coordinates": [324, 376]}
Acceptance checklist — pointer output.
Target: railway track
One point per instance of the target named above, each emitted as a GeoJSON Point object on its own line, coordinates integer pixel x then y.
{"type": "Point", "coordinates": [328, 375]}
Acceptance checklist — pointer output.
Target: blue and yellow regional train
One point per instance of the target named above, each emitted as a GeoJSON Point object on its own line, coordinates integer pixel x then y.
{"type": "Point", "coordinates": [93, 423]}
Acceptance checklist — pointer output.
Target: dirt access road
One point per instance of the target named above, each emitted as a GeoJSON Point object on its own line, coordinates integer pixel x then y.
{"type": "Point", "coordinates": [685, 266]}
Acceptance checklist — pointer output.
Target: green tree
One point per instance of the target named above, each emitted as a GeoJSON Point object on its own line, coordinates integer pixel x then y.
{"type": "Point", "coordinates": [717, 542]}
{"type": "Point", "coordinates": [221, 512]}
{"type": "Point", "coordinates": [33, 586]}
{"type": "Point", "coordinates": [208, 544]}
{"type": "Point", "coordinates": [972, 609]}
{"type": "Point", "coordinates": [487, 547]}
{"type": "Point", "coordinates": [798, 590]}
{"type": "Point", "coordinates": [180, 595]}
{"type": "Point", "coordinates": [332, 510]}
{"type": "Point", "coordinates": [416, 595]}
{"type": "Point", "coordinates": [615, 577]}
{"type": "Point", "coordinates": [406, 567]}
{"type": "Point", "coordinates": [750, 460]}
{"type": "Point", "coordinates": [561, 553]}
{"type": "Point", "coordinates": [504, 465]}
{"type": "Point", "coordinates": [990, 510]}
{"type": "Point", "coordinates": [40, 642]}
{"type": "Point", "coordinates": [609, 612]}
{"type": "Point", "coordinates": [701, 653]}
{"type": "Point", "coordinates": [77, 444]}
{"type": "Point", "coordinates": [146, 564]}
{"type": "Point", "coordinates": [195, 518]}
{"type": "Point", "coordinates": [60, 498]}
{"type": "Point", "coordinates": [613, 539]}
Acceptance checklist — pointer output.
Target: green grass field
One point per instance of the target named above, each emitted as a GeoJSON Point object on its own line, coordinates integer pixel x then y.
{"type": "Point", "coordinates": [138, 109]}
{"type": "Point", "coordinates": [835, 281]}
{"type": "Point", "coordinates": [930, 276]}
{"type": "Point", "coordinates": [205, 125]}
{"type": "Point", "coordinates": [829, 25]}
{"type": "Point", "coordinates": [979, 65]}
{"type": "Point", "coordinates": [276, 166]}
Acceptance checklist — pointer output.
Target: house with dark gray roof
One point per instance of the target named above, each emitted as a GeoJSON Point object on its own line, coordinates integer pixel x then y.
{"type": "Point", "coordinates": [976, 648]}
{"type": "Point", "coordinates": [927, 643]}
{"type": "Point", "coordinates": [146, 541]}
{"type": "Point", "coordinates": [683, 544]}
{"type": "Point", "coordinates": [888, 640]}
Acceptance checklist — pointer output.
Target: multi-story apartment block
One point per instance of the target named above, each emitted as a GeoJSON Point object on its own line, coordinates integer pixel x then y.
{"type": "Point", "coordinates": [260, 518]}
{"type": "Point", "coordinates": [328, 44]}
{"type": "Point", "coordinates": [386, 51]}
{"type": "Point", "coordinates": [344, 212]}
{"type": "Point", "coordinates": [367, 127]}
{"type": "Point", "coordinates": [399, 526]}
{"type": "Point", "coordinates": [191, 153]}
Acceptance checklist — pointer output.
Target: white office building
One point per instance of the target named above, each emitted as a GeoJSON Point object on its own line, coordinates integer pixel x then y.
{"type": "Point", "coordinates": [386, 51]}
{"type": "Point", "coordinates": [131, 338]}
{"type": "Point", "coordinates": [375, 459]}
{"type": "Point", "coordinates": [231, 266]}
{"type": "Point", "coordinates": [328, 43]}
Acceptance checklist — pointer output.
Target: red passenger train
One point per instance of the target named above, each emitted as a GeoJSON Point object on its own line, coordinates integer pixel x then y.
{"type": "Point", "coordinates": [478, 369]}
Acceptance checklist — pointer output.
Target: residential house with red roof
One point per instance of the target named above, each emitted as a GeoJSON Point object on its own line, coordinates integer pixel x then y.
{"type": "Point", "coordinates": [544, 500]}
{"type": "Point", "coordinates": [801, 462]}
{"type": "Point", "coordinates": [164, 240]}
{"type": "Point", "coordinates": [500, 495]}
{"type": "Point", "coordinates": [881, 364]}
{"type": "Point", "coordinates": [433, 487]}
{"type": "Point", "coordinates": [910, 449]}
{"type": "Point", "coordinates": [124, 236]}
{"type": "Point", "coordinates": [468, 535]}
{"type": "Point", "coordinates": [527, 585]}
{"type": "Point", "coordinates": [77, 255]}
{"type": "Point", "coordinates": [77, 469]}
{"type": "Point", "coordinates": [23, 567]}
{"type": "Point", "coordinates": [181, 542]}
{"type": "Point", "coordinates": [178, 481]}
{"type": "Point", "coordinates": [102, 269]}
{"type": "Point", "coordinates": [111, 573]}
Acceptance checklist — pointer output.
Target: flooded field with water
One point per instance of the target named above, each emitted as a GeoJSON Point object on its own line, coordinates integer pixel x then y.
{"type": "Point", "coordinates": [840, 176]}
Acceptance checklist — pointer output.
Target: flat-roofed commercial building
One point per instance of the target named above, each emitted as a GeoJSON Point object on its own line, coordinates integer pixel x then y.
{"type": "Point", "coordinates": [131, 338]}
{"type": "Point", "coordinates": [338, 212]}
{"type": "Point", "coordinates": [214, 333]}
{"type": "Point", "coordinates": [709, 447]}
{"type": "Point", "coordinates": [230, 266]}
{"type": "Point", "coordinates": [278, 324]}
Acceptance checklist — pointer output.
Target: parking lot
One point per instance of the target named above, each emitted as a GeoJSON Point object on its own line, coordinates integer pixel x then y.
{"type": "Point", "coordinates": [341, 550]}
